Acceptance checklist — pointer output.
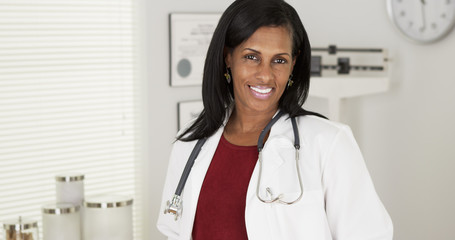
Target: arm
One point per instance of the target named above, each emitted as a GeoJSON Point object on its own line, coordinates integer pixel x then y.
{"type": "Point", "coordinates": [354, 210]}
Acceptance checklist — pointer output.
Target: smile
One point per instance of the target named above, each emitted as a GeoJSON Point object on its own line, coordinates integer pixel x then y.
{"type": "Point", "coordinates": [261, 92]}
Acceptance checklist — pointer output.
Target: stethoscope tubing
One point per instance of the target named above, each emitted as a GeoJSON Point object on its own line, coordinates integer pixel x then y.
{"type": "Point", "coordinates": [175, 205]}
{"type": "Point", "coordinates": [189, 164]}
{"type": "Point", "coordinates": [297, 160]}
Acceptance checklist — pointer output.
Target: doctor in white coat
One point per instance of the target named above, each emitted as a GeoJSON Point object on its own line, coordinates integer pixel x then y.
{"type": "Point", "coordinates": [310, 181]}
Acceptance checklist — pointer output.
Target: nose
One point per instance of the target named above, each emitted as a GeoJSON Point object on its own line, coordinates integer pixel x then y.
{"type": "Point", "coordinates": [264, 72]}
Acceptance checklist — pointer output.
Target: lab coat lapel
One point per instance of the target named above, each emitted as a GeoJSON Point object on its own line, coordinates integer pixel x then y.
{"type": "Point", "coordinates": [271, 159]}
{"type": "Point", "coordinates": [279, 144]}
{"type": "Point", "coordinates": [256, 212]}
{"type": "Point", "coordinates": [195, 181]}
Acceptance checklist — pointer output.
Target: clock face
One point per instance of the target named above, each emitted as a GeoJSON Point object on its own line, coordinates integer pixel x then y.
{"type": "Point", "coordinates": [424, 21]}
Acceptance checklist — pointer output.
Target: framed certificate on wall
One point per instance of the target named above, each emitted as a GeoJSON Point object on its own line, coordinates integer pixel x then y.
{"type": "Point", "coordinates": [190, 36]}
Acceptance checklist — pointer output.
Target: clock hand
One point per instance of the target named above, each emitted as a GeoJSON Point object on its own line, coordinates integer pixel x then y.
{"type": "Point", "coordinates": [424, 26]}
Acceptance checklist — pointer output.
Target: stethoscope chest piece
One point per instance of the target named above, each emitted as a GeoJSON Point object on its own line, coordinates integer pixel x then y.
{"type": "Point", "coordinates": [174, 207]}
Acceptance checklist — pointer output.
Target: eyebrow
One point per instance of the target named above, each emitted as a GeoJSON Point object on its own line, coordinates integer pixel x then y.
{"type": "Point", "coordinates": [256, 51]}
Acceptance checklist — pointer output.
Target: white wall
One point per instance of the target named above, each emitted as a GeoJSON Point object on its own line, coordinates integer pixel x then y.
{"type": "Point", "coordinates": [405, 134]}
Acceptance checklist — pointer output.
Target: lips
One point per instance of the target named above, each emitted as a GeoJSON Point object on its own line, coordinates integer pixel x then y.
{"type": "Point", "coordinates": [261, 92]}
{"type": "Point", "coordinates": [260, 89]}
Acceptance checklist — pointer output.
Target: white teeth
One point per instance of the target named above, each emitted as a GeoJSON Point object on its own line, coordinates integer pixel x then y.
{"type": "Point", "coordinates": [261, 90]}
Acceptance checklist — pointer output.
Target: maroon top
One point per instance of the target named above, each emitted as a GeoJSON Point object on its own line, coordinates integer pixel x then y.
{"type": "Point", "coordinates": [220, 211]}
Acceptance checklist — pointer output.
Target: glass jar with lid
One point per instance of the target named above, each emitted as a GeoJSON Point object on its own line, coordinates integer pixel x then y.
{"type": "Point", "coordinates": [108, 217]}
{"type": "Point", "coordinates": [70, 188]}
{"type": "Point", "coordinates": [21, 229]}
{"type": "Point", "coordinates": [61, 221]}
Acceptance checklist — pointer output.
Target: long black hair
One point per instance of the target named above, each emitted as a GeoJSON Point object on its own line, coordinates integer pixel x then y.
{"type": "Point", "coordinates": [240, 20]}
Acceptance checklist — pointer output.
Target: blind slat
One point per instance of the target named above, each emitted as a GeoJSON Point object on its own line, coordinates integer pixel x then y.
{"type": "Point", "coordinates": [76, 55]}
{"type": "Point", "coordinates": [78, 158]}
{"type": "Point", "coordinates": [51, 50]}
{"type": "Point", "coordinates": [64, 68]}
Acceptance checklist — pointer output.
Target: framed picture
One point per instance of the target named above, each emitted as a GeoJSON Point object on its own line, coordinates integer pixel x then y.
{"type": "Point", "coordinates": [190, 36]}
{"type": "Point", "coordinates": [188, 111]}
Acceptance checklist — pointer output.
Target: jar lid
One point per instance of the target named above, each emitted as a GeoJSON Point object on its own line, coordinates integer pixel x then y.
{"type": "Point", "coordinates": [108, 201]}
{"type": "Point", "coordinates": [69, 177]}
{"type": "Point", "coordinates": [19, 224]}
{"type": "Point", "coordinates": [60, 208]}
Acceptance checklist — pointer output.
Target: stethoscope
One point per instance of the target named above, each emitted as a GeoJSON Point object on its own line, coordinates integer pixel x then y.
{"type": "Point", "coordinates": [175, 205]}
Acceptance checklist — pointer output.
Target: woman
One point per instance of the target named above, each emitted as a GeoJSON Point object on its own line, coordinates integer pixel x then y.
{"type": "Point", "coordinates": [257, 69]}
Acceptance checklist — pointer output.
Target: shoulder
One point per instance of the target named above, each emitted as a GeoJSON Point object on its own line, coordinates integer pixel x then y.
{"type": "Point", "coordinates": [315, 130]}
{"type": "Point", "coordinates": [181, 149]}
{"type": "Point", "coordinates": [311, 124]}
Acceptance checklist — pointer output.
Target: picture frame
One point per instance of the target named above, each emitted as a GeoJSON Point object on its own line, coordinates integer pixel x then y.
{"type": "Point", "coordinates": [187, 111]}
{"type": "Point", "coordinates": [190, 36]}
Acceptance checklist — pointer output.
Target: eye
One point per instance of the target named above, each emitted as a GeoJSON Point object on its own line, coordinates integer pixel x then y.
{"type": "Point", "coordinates": [251, 57]}
{"type": "Point", "coordinates": [281, 61]}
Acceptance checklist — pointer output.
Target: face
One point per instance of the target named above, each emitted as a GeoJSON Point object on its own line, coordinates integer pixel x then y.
{"type": "Point", "coordinates": [260, 69]}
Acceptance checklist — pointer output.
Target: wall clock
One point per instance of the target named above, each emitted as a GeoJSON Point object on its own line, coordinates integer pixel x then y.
{"type": "Point", "coordinates": [424, 21]}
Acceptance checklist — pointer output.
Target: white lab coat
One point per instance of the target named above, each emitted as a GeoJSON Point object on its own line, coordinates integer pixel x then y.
{"type": "Point", "coordinates": [339, 200]}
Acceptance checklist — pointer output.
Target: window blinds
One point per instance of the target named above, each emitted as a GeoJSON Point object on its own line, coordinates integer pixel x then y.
{"type": "Point", "coordinates": [68, 101]}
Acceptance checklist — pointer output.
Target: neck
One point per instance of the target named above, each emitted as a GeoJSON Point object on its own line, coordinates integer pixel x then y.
{"type": "Point", "coordinates": [244, 122]}
{"type": "Point", "coordinates": [244, 128]}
